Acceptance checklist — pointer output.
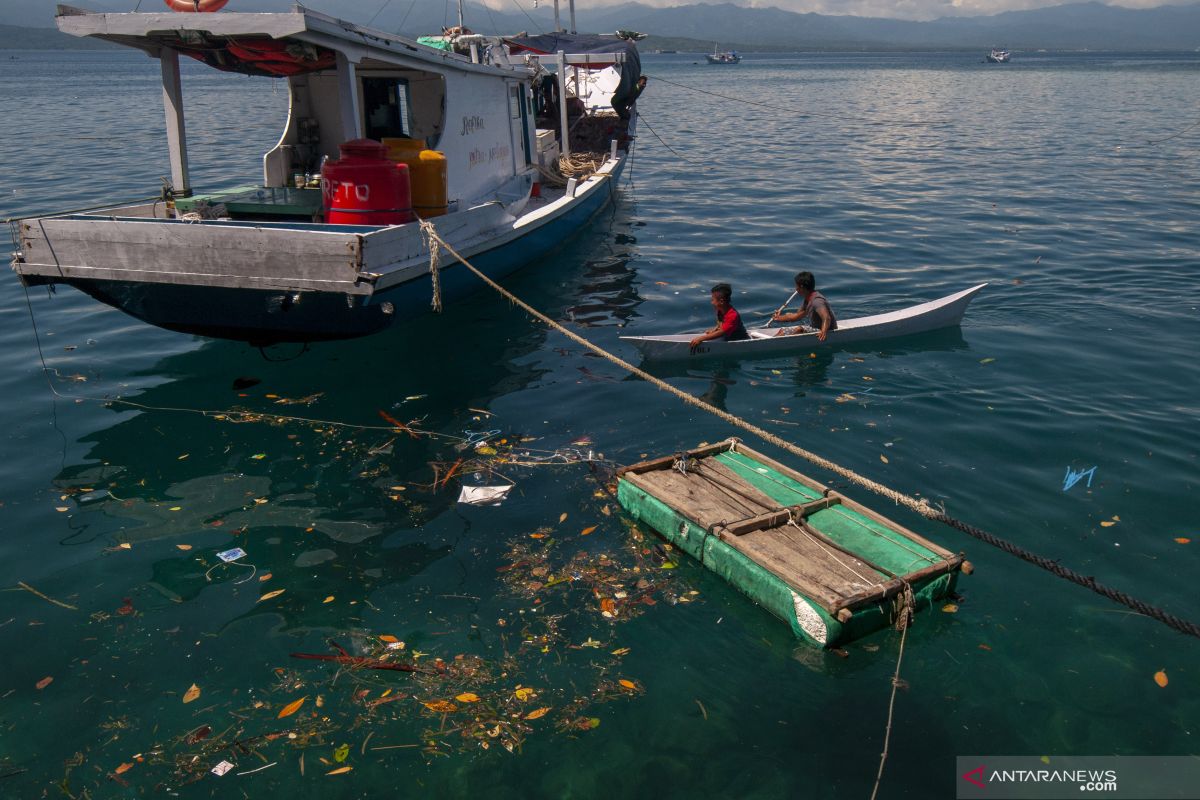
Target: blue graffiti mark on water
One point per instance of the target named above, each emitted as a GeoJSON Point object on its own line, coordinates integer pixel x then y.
{"type": "Point", "coordinates": [1074, 477]}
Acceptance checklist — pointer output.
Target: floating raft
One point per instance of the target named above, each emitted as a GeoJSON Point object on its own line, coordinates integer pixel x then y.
{"type": "Point", "coordinates": [829, 567]}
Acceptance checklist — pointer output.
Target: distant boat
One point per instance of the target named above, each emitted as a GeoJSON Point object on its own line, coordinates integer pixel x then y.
{"type": "Point", "coordinates": [728, 57]}
{"type": "Point", "coordinates": [998, 57]}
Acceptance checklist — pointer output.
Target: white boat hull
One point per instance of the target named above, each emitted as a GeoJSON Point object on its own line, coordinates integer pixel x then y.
{"type": "Point", "coordinates": [946, 312]}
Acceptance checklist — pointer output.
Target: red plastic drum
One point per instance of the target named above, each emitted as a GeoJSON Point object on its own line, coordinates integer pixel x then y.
{"type": "Point", "coordinates": [364, 187]}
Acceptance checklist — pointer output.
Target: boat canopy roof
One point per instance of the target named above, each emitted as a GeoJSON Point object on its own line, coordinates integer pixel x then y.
{"type": "Point", "coordinates": [271, 44]}
{"type": "Point", "coordinates": [589, 44]}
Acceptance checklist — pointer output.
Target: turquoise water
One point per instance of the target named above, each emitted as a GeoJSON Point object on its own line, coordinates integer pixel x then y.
{"type": "Point", "coordinates": [1066, 181]}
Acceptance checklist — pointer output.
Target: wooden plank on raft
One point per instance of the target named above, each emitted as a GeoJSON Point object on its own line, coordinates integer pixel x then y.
{"type": "Point", "coordinates": [693, 497]}
{"type": "Point", "coordinates": [666, 462]}
{"type": "Point", "coordinates": [803, 569]}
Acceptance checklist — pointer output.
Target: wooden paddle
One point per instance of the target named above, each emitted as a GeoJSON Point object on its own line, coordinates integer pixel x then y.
{"type": "Point", "coordinates": [782, 307]}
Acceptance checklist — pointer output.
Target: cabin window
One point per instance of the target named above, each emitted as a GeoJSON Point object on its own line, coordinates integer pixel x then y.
{"type": "Point", "coordinates": [386, 108]}
{"type": "Point", "coordinates": [514, 101]}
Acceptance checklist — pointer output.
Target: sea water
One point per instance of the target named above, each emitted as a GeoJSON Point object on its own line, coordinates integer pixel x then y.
{"type": "Point", "coordinates": [1065, 181]}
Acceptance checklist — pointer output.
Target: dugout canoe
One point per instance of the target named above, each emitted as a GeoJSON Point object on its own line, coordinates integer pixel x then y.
{"type": "Point", "coordinates": [830, 568]}
{"type": "Point", "coordinates": [945, 312]}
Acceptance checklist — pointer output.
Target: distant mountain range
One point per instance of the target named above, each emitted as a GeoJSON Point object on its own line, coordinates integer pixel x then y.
{"type": "Point", "coordinates": [1073, 26]}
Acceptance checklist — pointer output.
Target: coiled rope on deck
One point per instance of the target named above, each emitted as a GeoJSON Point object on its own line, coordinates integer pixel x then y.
{"type": "Point", "coordinates": [921, 506]}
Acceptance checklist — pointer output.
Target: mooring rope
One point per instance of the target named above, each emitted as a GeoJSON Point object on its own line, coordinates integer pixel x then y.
{"type": "Point", "coordinates": [432, 239]}
{"type": "Point", "coordinates": [887, 734]}
{"type": "Point", "coordinates": [921, 506]}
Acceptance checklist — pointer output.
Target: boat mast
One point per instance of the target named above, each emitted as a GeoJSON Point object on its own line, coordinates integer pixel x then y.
{"type": "Point", "coordinates": [572, 5]}
{"type": "Point", "coordinates": [557, 24]}
{"type": "Point", "coordinates": [460, 16]}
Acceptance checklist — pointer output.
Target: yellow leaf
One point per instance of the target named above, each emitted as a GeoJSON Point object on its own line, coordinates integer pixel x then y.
{"type": "Point", "coordinates": [44, 682]}
{"type": "Point", "coordinates": [266, 576]}
{"type": "Point", "coordinates": [628, 684]}
{"type": "Point", "coordinates": [125, 546]}
{"type": "Point", "coordinates": [1182, 540]}
{"type": "Point", "coordinates": [182, 457]}
{"type": "Point", "coordinates": [291, 708]}
{"type": "Point", "coordinates": [537, 713]}
{"type": "Point", "coordinates": [184, 546]}
{"type": "Point", "coordinates": [387, 637]}
{"type": "Point", "coordinates": [1160, 678]}
{"type": "Point", "coordinates": [867, 378]}
{"type": "Point", "coordinates": [467, 697]}
{"type": "Point", "coordinates": [562, 517]}
{"type": "Point", "coordinates": [950, 608]}
{"type": "Point", "coordinates": [328, 599]}
{"type": "Point", "coordinates": [269, 595]}
{"type": "Point", "coordinates": [123, 768]}
{"type": "Point", "coordinates": [441, 706]}
{"type": "Point", "coordinates": [523, 693]}
{"type": "Point", "coordinates": [621, 651]}
{"type": "Point", "coordinates": [339, 771]}
{"type": "Point", "coordinates": [588, 530]}
{"type": "Point", "coordinates": [191, 694]}
{"type": "Point", "coordinates": [61, 509]}
{"type": "Point", "coordinates": [537, 536]}
{"type": "Point", "coordinates": [883, 458]}
{"type": "Point", "coordinates": [176, 508]}
{"type": "Point", "coordinates": [259, 456]}
{"type": "Point", "coordinates": [1107, 524]}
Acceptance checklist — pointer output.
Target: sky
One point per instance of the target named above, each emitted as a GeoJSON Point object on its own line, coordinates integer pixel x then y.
{"type": "Point", "coordinates": [894, 9]}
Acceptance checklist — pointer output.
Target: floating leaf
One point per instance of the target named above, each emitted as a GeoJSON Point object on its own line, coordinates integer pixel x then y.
{"type": "Point", "coordinates": [621, 651]}
{"type": "Point", "coordinates": [562, 517]}
{"type": "Point", "coordinates": [328, 599]}
{"type": "Point", "coordinates": [123, 768]}
{"type": "Point", "coordinates": [339, 771]}
{"type": "Point", "coordinates": [593, 722]}
{"type": "Point", "coordinates": [44, 682]}
{"type": "Point", "coordinates": [984, 647]}
{"type": "Point", "coordinates": [191, 694]}
{"type": "Point", "coordinates": [291, 708]}
{"type": "Point", "coordinates": [1107, 524]}
{"type": "Point", "coordinates": [441, 706]}
{"type": "Point", "coordinates": [950, 608]}
{"type": "Point", "coordinates": [628, 684]}
{"type": "Point", "coordinates": [1160, 678]}
{"type": "Point", "coordinates": [269, 595]}
{"type": "Point", "coordinates": [184, 546]}
{"type": "Point", "coordinates": [1182, 540]}
{"type": "Point", "coordinates": [259, 456]}
{"type": "Point", "coordinates": [266, 576]}
{"type": "Point", "coordinates": [537, 536]}
{"type": "Point", "coordinates": [341, 753]}
{"type": "Point", "coordinates": [387, 637]}
{"type": "Point", "coordinates": [668, 565]}
{"type": "Point", "coordinates": [523, 693]}
{"type": "Point", "coordinates": [608, 606]}
{"type": "Point", "coordinates": [883, 458]}
{"type": "Point", "coordinates": [986, 360]}
{"type": "Point", "coordinates": [587, 530]}
{"type": "Point", "coordinates": [175, 508]}
{"type": "Point", "coordinates": [125, 546]}
{"type": "Point", "coordinates": [537, 713]}
{"type": "Point", "coordinates": [467, 697]}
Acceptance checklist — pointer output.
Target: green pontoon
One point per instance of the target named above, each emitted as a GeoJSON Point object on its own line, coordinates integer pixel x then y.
{"type": "Point", "coordinates": [829, 567]}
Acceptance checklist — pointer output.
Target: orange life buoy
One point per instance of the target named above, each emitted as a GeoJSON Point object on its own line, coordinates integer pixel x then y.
{"type": "Point", "coordinates": [195, 5]}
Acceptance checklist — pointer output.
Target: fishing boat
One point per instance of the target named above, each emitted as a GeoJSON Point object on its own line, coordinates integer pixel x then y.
{"type": "Point", "coordinates": [945, 312]}
{"type": "Point", "coordinates": [830, 568]}
{"type": "Point", "coordinates": [327, 242]}
{"type": "Point", "coordinates": [998, 57]}
{"type": "Point", "coordinates": [726, 57]}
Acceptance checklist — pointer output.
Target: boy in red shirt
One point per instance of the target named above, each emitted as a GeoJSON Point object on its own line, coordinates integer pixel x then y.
{"type": "Point", "coordinates": [729, 321]}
